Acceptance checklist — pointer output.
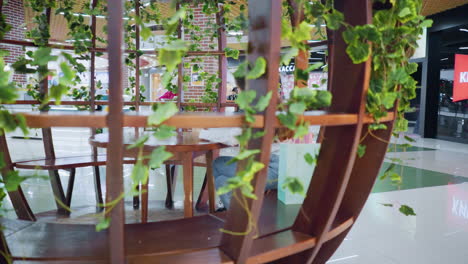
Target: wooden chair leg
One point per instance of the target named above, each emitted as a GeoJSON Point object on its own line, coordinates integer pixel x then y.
{"type": "Point", "coordinates": [210, 180]}
{"type": "Point", "coordinates": [207, 194]}
{"type": "Point", "coordinates": [144, 202]}
{"type": "Point", "coordinates": [71, 183]}
{"type": "Point", "coordinates": [57, 190]}
{"type": "Point", "coordinates": [97, 188]}
{"type": "Point", "coordinates": [202, 197]}
{"type": "Point", "coordinates": [169, 183]}
{"type": "Point", "coordinates": [136, 199]}
{"type": "Point", "coordinates": [188, 184]}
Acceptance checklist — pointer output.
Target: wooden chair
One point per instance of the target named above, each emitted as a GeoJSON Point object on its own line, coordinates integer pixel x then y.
{"type": "Point", "coordinates": [52, 164]}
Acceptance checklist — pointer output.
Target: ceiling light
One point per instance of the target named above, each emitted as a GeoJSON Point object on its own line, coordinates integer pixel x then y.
{"type": "Point", "coordinates": [444, 59]}
{"type": "Point", "coordinates": [463, 48]}
{"type": "Point", "coordinates": [463, 29]}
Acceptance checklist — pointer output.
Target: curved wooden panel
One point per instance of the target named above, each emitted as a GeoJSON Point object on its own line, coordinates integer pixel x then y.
{"type": "Point", "coordinates": [349, 83]}
{"type": "Point", "coordinates": [362, 180]}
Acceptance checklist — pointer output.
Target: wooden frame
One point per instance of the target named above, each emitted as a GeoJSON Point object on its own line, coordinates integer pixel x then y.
{"type": "Point", "coordinates": [340, 185]}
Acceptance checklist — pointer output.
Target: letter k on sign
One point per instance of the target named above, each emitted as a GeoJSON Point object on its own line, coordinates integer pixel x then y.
{"type": "Point", "coordinates": [460, 84]}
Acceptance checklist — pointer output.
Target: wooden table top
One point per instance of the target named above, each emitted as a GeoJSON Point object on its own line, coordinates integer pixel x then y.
{"type": "Point", "coordinates": [182, 142]}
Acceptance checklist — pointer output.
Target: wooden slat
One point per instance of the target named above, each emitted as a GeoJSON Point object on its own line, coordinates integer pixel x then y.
{"type": "Point", "coordinates": [114, 175]}
{"type": "Point", "coordinates": [46, 241]}
{"type": "Point", "coordinates": [264, 41]}
{"type": "Point", "coordinates": [186, 120]}
{"type": "Point", "coordinates": [213, 255]}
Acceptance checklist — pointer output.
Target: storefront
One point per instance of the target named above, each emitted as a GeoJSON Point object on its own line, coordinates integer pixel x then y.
{"type": "Point", "coordinates": [443, 113]}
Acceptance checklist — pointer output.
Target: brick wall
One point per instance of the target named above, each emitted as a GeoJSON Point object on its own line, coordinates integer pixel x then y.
{"type": "Point", "coordinates": [209, 64]}
{"type": "Point", "coordinates": [14, 13]}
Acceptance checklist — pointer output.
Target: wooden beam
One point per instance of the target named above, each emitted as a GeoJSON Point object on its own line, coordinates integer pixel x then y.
{"type": "Point", "coordinates": [114, 177]}
{"type": "Point", "coordinates": [264, 41]}
{"type": "Point", "coordinates": [222, 59]}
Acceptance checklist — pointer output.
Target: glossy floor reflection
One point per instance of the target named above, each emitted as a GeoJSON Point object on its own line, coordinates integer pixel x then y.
{"type": "Point", "coordinates": [434, 183]}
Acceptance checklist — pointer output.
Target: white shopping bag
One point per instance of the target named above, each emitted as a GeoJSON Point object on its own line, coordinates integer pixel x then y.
{"type": "Point", "coordinates": [293, 164]}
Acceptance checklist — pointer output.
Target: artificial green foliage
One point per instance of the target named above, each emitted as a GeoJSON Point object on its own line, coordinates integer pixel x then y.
{"type": "Point", "coordinates": [311, 160]}
{"type": "Point", "coordinates": [162, 112]}
{"type": "Point", "coordinates": [294, 185]}
{"type": "Point", "coordinates": [406, 210]}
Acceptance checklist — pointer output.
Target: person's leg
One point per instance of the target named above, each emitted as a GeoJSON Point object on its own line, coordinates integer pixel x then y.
{"type": "Point", "coordinates": [222, 172]}
{"type": "Point", "coordinates": [272, 176]}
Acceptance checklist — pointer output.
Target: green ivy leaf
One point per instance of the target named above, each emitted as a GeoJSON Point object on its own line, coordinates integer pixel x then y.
{"type": "Point", "coordinates": [258, 70]}
{"type": "Point", "coordinates": [244, 154]}
{"type": "Point", "coordinates": [290, 53]}
{"type": "Point", "coordinates": [334, 19]}
{"type": "Point", "coordinates": [297, 108]}
{"type": "Point", "coordinates": [139, 142]}
{"type": "Point", "coordinates": [427, 23]}
{"type": "Point", "coordinates": [164, 132]}
{"type": "Point", "coordinates": [301, 130]}
{"type": "Point", "coordinates": [158, 157]}
{"type": "Point", "coordinates": [68, 74]}
{"type": "Point", "coordinates": [231, 53]}
{"type": "Point", "coordinates": [377, 126]}
{"type": "Point", "coordinates": [13, 180]}
{"type": "Point", "coordinates": [103, 224]}
{"type": "Point", "coordinates": [42, 56]}
{"type": "Point", "coordinates": [245, 98]}
{"type": "Point", "coordinates": [241, 70]}
{"type": "Point", "coordinates": [57, 91]}
{"type": "Point", "coordinates": [294, 185]}
{"type": "Point", "coordinates": [140, 173]}
{"type": "Point", "coordinates": [289, 120]}
{"type": "Point", "coordinates": [359, 52]}
{"type": "Point", "coordinates": [361, 151]}
{"type": "Point", "coordinates": [145, 33]}
{"type": "Point", "coordinates": [409, 139]}
{"type": "Point", "coordinates": [263, 102]}
{"type": "Point", "coordinates": [404, 12]}
{"type": "Point", "coordinates": [302, 32]}
{"type": "Point", "coordinates": [324, 98]}
{"type": "Point", "coordinates": [406, 210]}
{"type": "Point", "coordinates": [311, 160]}
{"type": "Point", "coordinates": [314, 66]}
{"type": "Point", "coordinates": [162, 113]}
{"type": "Point", "coordinates": [387, 204]}
{"type": "Point", "coordinates": [388, 101]}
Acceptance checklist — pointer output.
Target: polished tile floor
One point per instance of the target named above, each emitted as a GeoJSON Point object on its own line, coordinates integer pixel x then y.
{"type": "Point", "coordinates": [435, 184]}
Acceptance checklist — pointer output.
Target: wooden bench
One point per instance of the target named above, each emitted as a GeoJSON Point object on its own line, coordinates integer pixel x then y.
{"type": "Point", "coordinates": [200, 238]}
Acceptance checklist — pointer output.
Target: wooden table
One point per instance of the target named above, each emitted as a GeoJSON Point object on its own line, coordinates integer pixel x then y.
{"type": "Point", "coordinates": [185, 147]}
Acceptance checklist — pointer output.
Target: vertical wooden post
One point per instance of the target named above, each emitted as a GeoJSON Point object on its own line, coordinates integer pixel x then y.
{"type": "Point", "coordinates": [264, 41]}
{"type": "Point", "coordinates": [114, 177]}
{"type": "Point", "coordinates": [137, 59]}
{"type": "Point", "coordinates": [302, 59]}
{"type": "Point", "coordinates": [48, 142]}
{"type": "Point", "coordinates": [222, 59]}
{"type": "Point", "coordinates": [97, 175]}
{"type": "Point", "coordinates": [20, 204]}
{"type": "Point", "coordinates": [180, 69]}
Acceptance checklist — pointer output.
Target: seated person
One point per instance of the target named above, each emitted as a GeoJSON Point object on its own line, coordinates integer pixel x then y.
{"type": "Point", "coordinates": [233, 96]}
{"type": "Point", "coordinates": [222, 171]}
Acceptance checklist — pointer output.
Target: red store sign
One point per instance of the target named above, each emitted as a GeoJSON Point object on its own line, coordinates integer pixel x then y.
{"type": "Point", "coordinates": [460, 84]}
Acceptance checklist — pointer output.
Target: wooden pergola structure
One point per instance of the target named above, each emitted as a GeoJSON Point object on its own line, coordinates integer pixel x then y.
{"type": "Point", "coordinates": [339, 188]}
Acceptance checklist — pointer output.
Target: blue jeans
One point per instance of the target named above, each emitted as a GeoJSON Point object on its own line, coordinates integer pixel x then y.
{"type": "Point", "coordinates": [222, 172]}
